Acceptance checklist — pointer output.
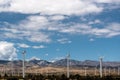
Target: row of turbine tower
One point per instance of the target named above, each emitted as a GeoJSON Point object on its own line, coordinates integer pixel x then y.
{"type": "Point", "coordinates": [100, 67]}
{"type": "Point", "coordinates": [68, 66]}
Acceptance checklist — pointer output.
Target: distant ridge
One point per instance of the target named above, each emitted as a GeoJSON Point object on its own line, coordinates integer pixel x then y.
{"type": "Point", "coordinates": [61, 63]}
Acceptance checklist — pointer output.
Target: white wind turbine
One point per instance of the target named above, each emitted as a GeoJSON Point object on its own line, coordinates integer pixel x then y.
{"type": "Point", "coordinates": [12, 66]}
{"type": "Point", "coordinates": [118, 71]}
{"type": "Point", "coordinates": [23, 64]}
{"type": "Point", "coordinates": [101, 70]}
{"type": "Point", "coordinates": [68, 65]}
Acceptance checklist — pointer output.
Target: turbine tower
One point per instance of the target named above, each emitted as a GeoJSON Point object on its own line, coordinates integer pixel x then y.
{"type": "Point", "coordinates": [68, 65]}
{"type": "Point", "coordinates": [101, 58]}
{"type": "Point", "coordinates": [95, 71]}
{"type": "Point", "coordinates": [23, 63]}
{"type": "Point", "coordinates": [105, 71]}
{"type": "Point", "coordinates": [12, 67]}
{"type": "Point", "coordinates": [85, 70]}
{"type": "Point", "coordinates": [109, 71]}
{"type": "Point", "coordinates": [118, 71]}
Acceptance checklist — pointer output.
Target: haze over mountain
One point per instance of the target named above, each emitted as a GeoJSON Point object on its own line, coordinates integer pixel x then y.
{"type": "Point", "coordinates": [61, 63]}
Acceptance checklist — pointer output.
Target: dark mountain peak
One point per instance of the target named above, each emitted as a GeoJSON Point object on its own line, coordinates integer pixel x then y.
{"type": "Point", "coordinates": [4, 61]}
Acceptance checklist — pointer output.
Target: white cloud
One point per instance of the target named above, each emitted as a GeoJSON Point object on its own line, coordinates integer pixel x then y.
{"type": "Point", "coordinates": [57, 17]}
{"type": "Point", "coordinates": [37, 34]}
{"type": "Point", "coordinates": [91, 39]}
{"type": "Point", "coordinates": [114, 28]}
{"type": "Point", "coordinates": [76, 28]}
{"type": "Point", "coordinates": [110, 30]}
{"type": "Point", "coordinates": [64, 41]}
{"type": "Point", "coordinates": [28, 29]}
{"type": "Point", "coordinates": [37, 47]}
{"type": "Point", "coordinates": [31, 27]}
{"type": "Point", "coordinates": [22, 45]}
{"type": "Point", "coordinates": [63, 7]}
{"type": "Point", "coordinates": [38, 28]}
{"type": "Point", "coordinates": [39, 37]}
{"type": "Point", "coordinates": [5, 3]}
{"type": "Point", "coordinates": [33, 36]}
{"type": "Point", "coordinates": [100, 32]}
{"type": "Point", "coordinates": [97, 21]}
{"type": "Point", "coordinates": [94, 22]}
{"type": "Point", "coordinates": [7, 51]}
{"type": "Point", "coordinates": [107, 1]}
{"type": "Point", "coordinates": [34, 23]}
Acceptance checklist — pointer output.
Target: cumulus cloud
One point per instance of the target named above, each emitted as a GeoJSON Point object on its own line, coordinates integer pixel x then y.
{"type": "Point", "coordinates": [23, 45]}
{"type": "Point", "coordinates": [39, 37]}
{"type": "Point", "coordinates": [75, 28]}
{"type": "Point", "coordinates": [64, 7]}
{"type": "Point", "coordinates": [37, 47]}
{"type": "Point", "coordinates": [110, 30]}
{"type": "Point", "coordinates": [7, 51]}
{"type": "Point", "coordinates": [28, 29]}
{"type": "Point", "coordinates": [114, 29]}
{"type": "Point", "coordinates": [48, 7]}
{"type": "Point", "coordinates": [94, 22]}
{"type": "Point", "coordinates": [40, 27]}
{"type": "Point", "coordinates": [64, 41]}
{"type": "Point", "coordinates": [34, 23]}
{"type": "Point", "coordinates": [57, 17]}
{"type": "Point", "coordinates": [40, 33]}
{"type": "Point", "coordinates": [107, 1]}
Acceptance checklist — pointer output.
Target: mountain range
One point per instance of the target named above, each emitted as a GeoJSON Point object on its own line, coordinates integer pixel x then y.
{"type": "Point", "coordinates": [60, 63]}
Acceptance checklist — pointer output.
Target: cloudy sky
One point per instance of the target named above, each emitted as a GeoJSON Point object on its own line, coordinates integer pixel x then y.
{"type": "Point", "coordinates": [50, 29]}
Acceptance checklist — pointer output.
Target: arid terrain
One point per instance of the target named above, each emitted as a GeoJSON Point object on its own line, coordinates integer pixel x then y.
{"type": "Point", "coordinates": [63, 70]}
{"type": "Point", "coordinates": [59, 67]}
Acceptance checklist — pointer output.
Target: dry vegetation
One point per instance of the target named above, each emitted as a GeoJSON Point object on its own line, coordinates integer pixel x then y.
{"type": "Point", "coordinates": [63, 70]}
{"type": "Point", "coordinates": [57, 73]}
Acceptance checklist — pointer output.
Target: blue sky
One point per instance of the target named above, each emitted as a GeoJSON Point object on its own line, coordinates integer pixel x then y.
{"type": "Point", "coordinates": [49, 30]}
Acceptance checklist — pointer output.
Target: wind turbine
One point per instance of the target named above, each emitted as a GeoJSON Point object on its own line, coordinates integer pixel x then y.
{"type": "Point", "coordinates": [12, 67]}
{"type": "Point", "coordinates": [114, 70]}
{"type": "Point", "coordinates": [95, 71]}
{"type": "Point", "coordinates": [4, 69]}
{"type": "Point", "coordinates": [105, 71]}
{"type": "Point", "coordinates": [109, 71]}
{"type": "Point", "coordinates": [68, 65]}
{"type": "Point", "coordinates": [23, 63]}
{"type": "Point", "coordinates": [118, 71]}
{"type": "Point", "coordinates": [85, 70]}
{"type": "Point", "coordinates": [101, 58]}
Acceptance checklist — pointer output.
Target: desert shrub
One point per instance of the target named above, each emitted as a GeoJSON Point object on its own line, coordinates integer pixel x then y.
{"type": "Point", "coordinates": [5, 75]}
{"type": "Point", "coordinates": [63, 77]}
{"type": "Point", "coordinates": [12, 78]}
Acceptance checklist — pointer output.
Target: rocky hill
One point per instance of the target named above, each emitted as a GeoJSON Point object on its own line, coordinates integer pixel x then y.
{"type": "Point", "coordinates": [60, 63]}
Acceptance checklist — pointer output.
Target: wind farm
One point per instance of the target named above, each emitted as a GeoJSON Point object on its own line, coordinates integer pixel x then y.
{"type": "Point", "coordinates": [59, 39]}
{"type": "Point", "coordinates": [65, 68]}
